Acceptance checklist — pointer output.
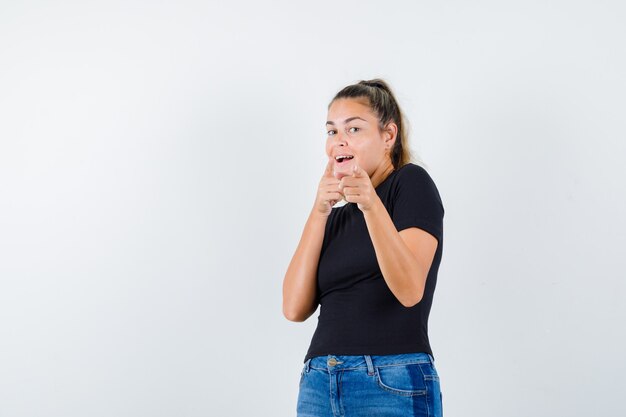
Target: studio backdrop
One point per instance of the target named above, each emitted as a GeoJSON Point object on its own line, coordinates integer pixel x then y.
{"type": "Point", "coordinates": [158, 161]}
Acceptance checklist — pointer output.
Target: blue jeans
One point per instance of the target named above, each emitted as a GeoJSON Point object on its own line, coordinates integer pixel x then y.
{"type": "Point", "coordinates": [383, 386]}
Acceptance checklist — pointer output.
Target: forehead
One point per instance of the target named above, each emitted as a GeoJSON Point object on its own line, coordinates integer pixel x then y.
{"type": "Point", "coordinates": [343, 108]}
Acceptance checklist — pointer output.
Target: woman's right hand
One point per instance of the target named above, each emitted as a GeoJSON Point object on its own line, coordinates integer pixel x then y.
{"type": "Point", "coordinates": [328, 191]}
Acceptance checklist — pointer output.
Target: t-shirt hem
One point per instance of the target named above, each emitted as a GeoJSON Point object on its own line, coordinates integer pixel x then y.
{"type": "Point", "coordinates": [374, 350]}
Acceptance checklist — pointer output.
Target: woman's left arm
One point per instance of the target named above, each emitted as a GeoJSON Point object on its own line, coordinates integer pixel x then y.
{"type": "Point", "coordinates": [404, 257]}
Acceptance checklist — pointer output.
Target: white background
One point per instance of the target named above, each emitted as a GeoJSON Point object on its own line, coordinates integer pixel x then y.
{"type": "Point", "coordinates": [158, 161]}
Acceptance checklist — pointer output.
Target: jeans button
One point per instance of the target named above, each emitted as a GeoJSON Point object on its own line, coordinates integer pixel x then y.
{"type": "Point", "coordinates": [332, 362]}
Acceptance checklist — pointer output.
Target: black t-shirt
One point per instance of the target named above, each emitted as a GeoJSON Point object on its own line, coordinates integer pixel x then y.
{"type": "Point", "coordinates": [359, 315]}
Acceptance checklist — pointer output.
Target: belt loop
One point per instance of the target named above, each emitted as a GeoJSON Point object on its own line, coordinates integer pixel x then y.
{"type": "Point", "coordinates": [307, 365]}
{"type": "Point", "coordinates": [370, 366]}
{"type": "Point", "coordinates": [432, 360]}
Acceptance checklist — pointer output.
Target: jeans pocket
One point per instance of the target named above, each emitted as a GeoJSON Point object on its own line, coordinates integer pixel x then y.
{"type": "Point", "coordinates": [430, 372]}
{"type": "Point", "coordinates": [404, 380]}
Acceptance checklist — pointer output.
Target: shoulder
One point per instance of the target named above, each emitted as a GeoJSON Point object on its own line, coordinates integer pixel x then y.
{"type": "Point", "coordinates": [415, 174]}
{"type": "Point", "coordinates": [415, 180]}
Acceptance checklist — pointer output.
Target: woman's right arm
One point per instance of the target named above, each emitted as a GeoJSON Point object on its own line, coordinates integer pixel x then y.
{"type": "Point", "coordinates": [300, 282]}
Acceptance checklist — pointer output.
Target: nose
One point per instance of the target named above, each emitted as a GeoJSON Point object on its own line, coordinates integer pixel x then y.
{"type": "Point", "coordinates": [338, 137]}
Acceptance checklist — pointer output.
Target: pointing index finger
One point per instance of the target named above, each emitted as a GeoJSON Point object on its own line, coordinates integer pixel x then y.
{"type": "Point", "coordinates": [329, 168]}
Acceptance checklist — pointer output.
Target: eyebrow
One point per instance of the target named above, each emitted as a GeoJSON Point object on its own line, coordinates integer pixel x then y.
{"type": "Point", "coordinates": [349, 119]}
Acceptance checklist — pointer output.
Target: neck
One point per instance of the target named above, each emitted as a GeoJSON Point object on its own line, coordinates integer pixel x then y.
{"type": "Point", "coordinates": [381, 173]}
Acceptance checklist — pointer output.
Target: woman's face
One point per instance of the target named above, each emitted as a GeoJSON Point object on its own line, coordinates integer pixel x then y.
{"type": "Point", "coordinates": [352, 129]}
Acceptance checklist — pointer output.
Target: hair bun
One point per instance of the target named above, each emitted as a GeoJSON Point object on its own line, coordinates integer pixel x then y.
{"type": "Point", "coordinates": [376, 82]}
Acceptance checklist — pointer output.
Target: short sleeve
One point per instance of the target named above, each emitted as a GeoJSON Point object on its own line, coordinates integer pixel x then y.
{"type": "Point", "coordinates": [417, 202]}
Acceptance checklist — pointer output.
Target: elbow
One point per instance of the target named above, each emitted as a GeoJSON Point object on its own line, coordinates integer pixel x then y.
{"type": "Point", "coordinates": [412, 300]}
{"type": "Point", "coordinates": [294, 316]}
{"type": "Point", "coordinates": [413, 294]}
{"type": "Point", "coordinates": [410, 303]}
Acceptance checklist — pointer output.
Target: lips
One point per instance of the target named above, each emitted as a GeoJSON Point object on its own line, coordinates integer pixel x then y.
{"type": "Point", "coordinates": [341, 158]}
{"type": "Point", "coordinates": [344, 160]}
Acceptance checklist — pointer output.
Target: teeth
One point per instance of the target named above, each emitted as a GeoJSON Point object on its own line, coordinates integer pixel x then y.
{"type": "Point", "coordinates": [343, 157]}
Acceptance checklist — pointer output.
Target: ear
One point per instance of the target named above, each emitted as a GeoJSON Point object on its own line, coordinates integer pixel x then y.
{"type": "Point", "coordinates": [390, 134]}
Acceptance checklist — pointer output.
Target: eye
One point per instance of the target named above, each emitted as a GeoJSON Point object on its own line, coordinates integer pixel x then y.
{"type": "Point", "coordinates": [330, 132]}
{"type": "Point", "coordinates": [354, 128]}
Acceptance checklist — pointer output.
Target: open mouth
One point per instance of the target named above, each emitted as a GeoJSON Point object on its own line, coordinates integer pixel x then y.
{"type": "Point", "coordinates": [343, 159]}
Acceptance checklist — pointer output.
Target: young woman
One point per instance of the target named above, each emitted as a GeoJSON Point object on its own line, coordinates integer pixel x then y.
{"type": "Point", "coordinates": [372, 266]}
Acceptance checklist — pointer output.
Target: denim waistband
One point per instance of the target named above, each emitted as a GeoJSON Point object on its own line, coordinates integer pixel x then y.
{"type": "Point", "coordinates": [333, 363]}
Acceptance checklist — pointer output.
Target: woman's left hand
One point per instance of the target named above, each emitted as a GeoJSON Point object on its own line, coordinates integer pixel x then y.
{"type": "Point", "coordinates": [358, 188]}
